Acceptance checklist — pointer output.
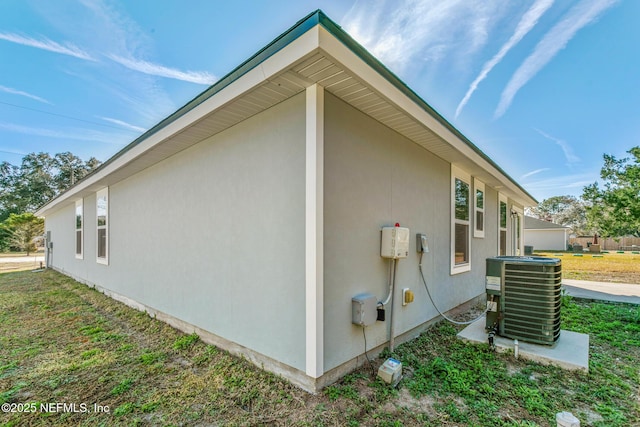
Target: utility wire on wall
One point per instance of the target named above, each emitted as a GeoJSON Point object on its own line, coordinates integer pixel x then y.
{"type": "Point", "coordinates": [424, 281]}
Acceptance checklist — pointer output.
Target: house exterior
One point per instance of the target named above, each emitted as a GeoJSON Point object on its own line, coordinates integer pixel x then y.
{"type": "Point", "coordinates": [253, 214]}
{"type": "Point", "coordinates": [545, 235]}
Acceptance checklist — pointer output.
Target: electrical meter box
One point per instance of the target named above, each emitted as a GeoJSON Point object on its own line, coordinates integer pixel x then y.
{"type": "Point", "coordinates": [364, 309]}
{"type": "Point", "coordinates": [395, 242]}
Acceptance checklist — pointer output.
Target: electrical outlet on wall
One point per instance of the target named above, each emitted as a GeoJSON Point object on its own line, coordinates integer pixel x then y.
{"type": "Point", "coordinates": [407, 296]}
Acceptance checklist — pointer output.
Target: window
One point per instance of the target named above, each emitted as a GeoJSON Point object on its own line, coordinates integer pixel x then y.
{"type": "Point", "coordinates": [478, 203]}
{"type": "Point", "coordinates": [79, 228]}
{"type": "Point", "coordinates": [460, 221]}
{"type": "Point", "coordinates": [102, 217]}
{"type": "Point", "coordinates": [502, 225]}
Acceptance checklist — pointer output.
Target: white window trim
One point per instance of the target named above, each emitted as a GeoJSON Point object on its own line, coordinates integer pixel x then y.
{"type": "Point", "coordinates": [103, 193]}
{"type": "Point", "coordinates": [518, 250]}
{"type": "Point", "coordinates": [457, 173]}
{"type": "Point", "coordinates": [503, 198]}
{"type": "Point", "coordinates": [79, 204]}
{"type": "Point", "coordinates": [479, 185]}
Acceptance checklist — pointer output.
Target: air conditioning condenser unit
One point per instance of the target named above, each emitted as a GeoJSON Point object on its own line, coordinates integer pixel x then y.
{"type": "Point", "coordinates": [523, 298]}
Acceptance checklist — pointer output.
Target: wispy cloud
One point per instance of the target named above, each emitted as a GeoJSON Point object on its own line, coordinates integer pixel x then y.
{"type": "Point", "coordinates": [564, 145]}
{"type": "Point", "coordinates": [123, 124]}
{"type": "Point", "coordinates": [400, 32]}
{"type": "Point", "coordinates": [555, 40]}
{"type": "Point", "coordinates": [199, 77]}
{"type": "Point", "coordinates": [17, 153]}
{"type": "Point", "coordinates": [124, 42]}
{"type": "Point", "coordinates": [527, 22]}
{"type": "Point", "coordinates": [47, 44]}
{"type": "Point", "coordinates": [561, 184]}
{"type": "Point", "coordinates": [534, 172]}
{"type": "Point", "coordinates": [22, 93]}
{"type": "Point", "coordinates": [76, 135]}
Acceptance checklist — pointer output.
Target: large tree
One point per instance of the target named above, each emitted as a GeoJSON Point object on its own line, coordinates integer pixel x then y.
{"type": "Point", "coordinates": [39, 178]}
{"type": "Point", "coordinates": [71, 169]}
{"type": "Point", "coordinates": [564, 210]}
{"type": "Point", "coordinates": [22, 231]}
{"type": "Point", "coordinates": [614, 209]}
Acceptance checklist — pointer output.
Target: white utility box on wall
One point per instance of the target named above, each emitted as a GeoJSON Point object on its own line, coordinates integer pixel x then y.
{"type": "Point", "coordinates": [395, 242]}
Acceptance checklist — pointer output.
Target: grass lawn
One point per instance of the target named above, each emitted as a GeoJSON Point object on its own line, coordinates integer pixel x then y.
{"type": "Point", "coordinates": [62, 342]}
{"type": "Point", "coordinates": [610, 267]}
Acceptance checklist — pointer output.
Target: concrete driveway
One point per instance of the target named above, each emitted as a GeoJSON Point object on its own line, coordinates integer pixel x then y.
{"type": "Point", "coordinates": [606, 291]}
{"type": "Point", "coordinates": [25, 259]}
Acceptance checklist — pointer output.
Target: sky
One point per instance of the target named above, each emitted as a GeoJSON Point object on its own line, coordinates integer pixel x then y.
{"type": "Point", "coordinates": [543, 87]}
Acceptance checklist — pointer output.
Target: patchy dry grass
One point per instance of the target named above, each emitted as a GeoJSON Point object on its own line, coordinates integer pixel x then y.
{"type": "Point", "coordinates": [62, 342]}
{"type": "Point", "coordinates": [610, 267]}
{"type": "Point", "coordinates": [25, 262]}
{"type": "Point", "coordinates": [8, 267]}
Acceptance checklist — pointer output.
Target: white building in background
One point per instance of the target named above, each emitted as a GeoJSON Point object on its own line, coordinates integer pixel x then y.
{"type": "Point", "coordinates": [545, 235]}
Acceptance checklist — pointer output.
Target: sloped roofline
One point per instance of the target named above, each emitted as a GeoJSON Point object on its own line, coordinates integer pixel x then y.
{"type": "Point", "coordinates": [531, 223]}
{"type": "Point", "coordinates": [302, 26]}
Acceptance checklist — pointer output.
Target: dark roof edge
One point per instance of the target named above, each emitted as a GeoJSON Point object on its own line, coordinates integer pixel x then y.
{"type": "Point", "coordinates": [374, 63]}
{"type": "Point", "coordinates": [277, 44]}
{"type": "Point", "coordinates": [299, 28]}
{"type": "Point", "coordinates": [533, 223]}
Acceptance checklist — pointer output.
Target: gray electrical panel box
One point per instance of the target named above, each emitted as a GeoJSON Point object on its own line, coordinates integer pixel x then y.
{"type": "Point", "coordinates": [364, 309]}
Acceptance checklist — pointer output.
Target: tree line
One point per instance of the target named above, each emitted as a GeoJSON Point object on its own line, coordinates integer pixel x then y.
{"type": "Point", "coordinates": [611, 209]}
{"type": "Point", "coordinates": [26, 187]}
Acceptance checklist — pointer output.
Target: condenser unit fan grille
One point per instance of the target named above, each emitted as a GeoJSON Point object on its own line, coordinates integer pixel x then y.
{"type": "Point", "coordinates": [532, 302]}
{"type": "Point", "coordinates": [526, 292]}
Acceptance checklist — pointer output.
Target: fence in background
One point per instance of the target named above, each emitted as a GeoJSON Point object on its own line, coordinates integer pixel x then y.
{"type": "Point", "coordinates": [609, 243]}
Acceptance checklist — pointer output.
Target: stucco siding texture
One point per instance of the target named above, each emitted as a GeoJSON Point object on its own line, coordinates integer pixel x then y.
{"type": "Point", "coordinates": [213, 235]}
{"type": "Point", "coordinates": [375, 177]}
{"type": "Point", "coordinates": [61, 224]}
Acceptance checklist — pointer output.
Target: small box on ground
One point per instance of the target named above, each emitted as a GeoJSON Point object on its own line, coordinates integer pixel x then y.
{"type": "Point", "coordinates": [390, 371]}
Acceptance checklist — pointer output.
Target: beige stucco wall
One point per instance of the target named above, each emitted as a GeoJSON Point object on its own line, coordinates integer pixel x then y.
{"type": "Point", "coordinates": [375, 177]}
{"type": "Point", "coordinates": [213, 235]}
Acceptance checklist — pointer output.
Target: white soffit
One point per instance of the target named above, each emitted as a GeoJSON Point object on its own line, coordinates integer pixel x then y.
{"type": "Point", "coordinates": [316, 56]}
{"type": "Point", "coordinates": [249, 94]}
{"type": "Point", "coordinates": [377, 97]}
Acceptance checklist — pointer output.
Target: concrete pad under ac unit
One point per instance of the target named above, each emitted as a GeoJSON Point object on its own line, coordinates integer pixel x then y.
{"type": "Point", "coordinates": [570, 351]}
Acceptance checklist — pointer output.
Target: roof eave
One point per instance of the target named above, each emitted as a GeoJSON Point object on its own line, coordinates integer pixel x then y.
{"type": "Point", "coordinates": [189, 113]}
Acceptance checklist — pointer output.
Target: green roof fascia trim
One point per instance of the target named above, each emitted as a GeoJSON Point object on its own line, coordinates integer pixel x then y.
{"type": "Point", "coordinates": [302, 26]}
{"type": "Point", "coordinates": [374, 63]}
{"type": "Point", "coordinates": [280, 42]}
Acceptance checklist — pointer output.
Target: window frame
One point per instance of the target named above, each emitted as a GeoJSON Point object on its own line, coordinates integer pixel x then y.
{"type": "Point", "coordinates": [503, 199]}
{"type": "Point", "coordinates": [104, 193]}
{"type": "Point", "coordinates": [479, 186]}
{"type": "Point", "coordinates": [458, 174]}
{"type": "Point", "coordinates": [518, 230]}
{"type": "Point", "coordinates": [79, 205]}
